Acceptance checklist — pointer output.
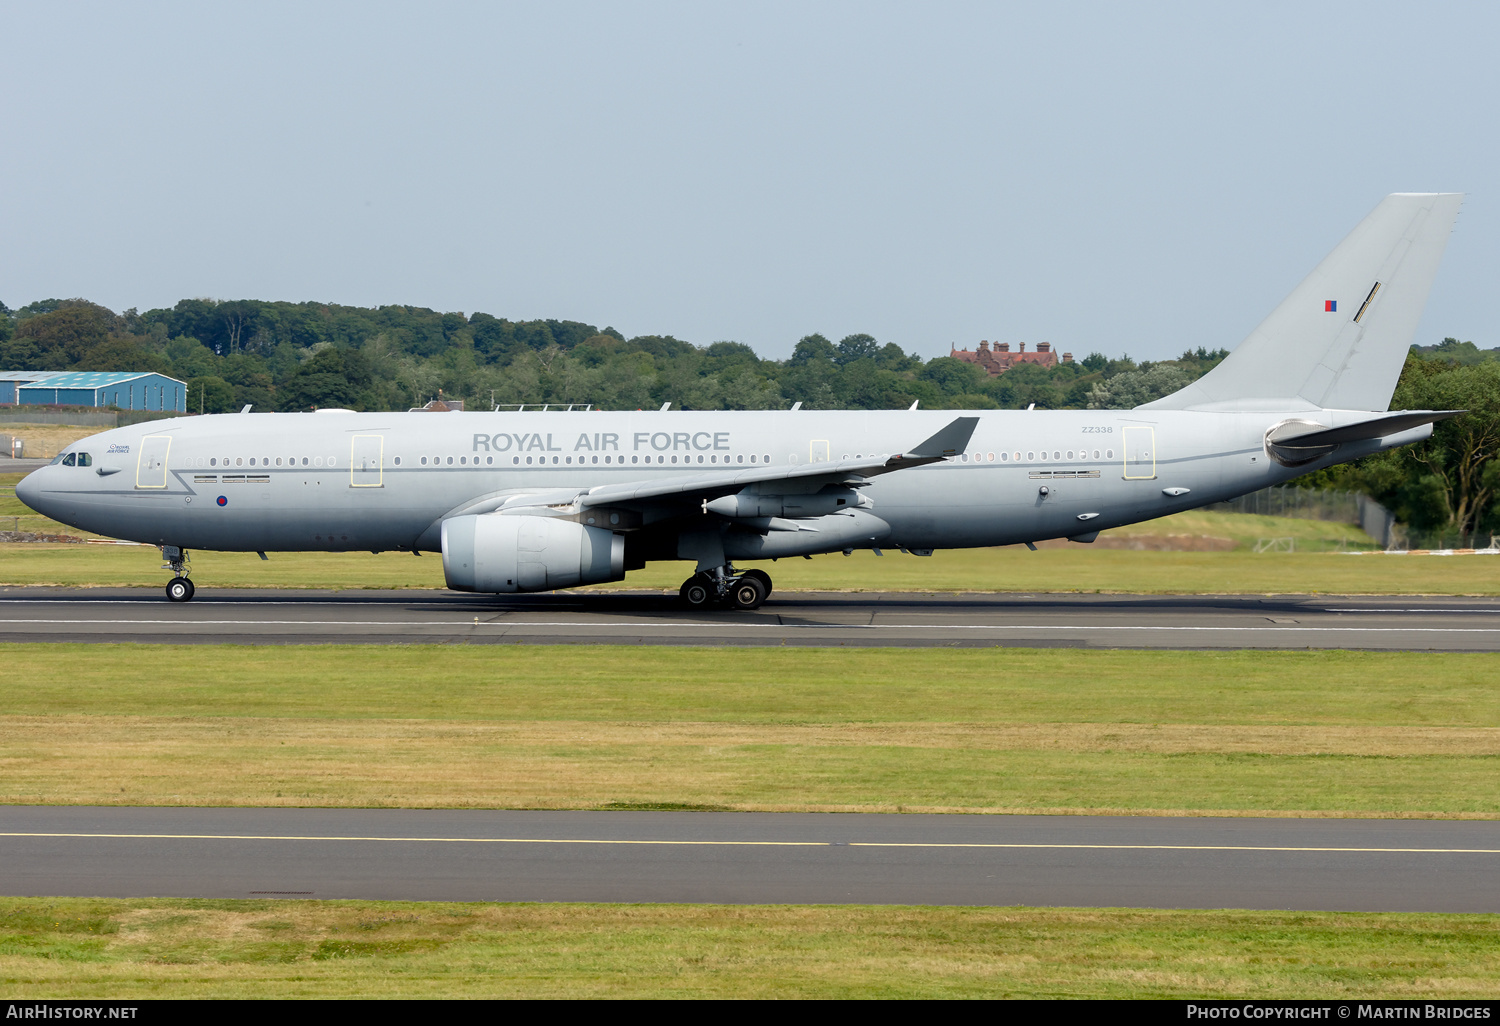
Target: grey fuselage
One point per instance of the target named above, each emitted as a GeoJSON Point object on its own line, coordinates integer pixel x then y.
{"type": "Point", "coordinates": [339, 481]}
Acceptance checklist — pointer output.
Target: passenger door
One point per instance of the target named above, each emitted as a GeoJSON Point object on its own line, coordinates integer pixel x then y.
{"type": "Point", "coordinates": [367, 453]}
{"type": "Point", "coordinates": [1140, 453]}
{"type": "Point", "coordinates": [151, 464]}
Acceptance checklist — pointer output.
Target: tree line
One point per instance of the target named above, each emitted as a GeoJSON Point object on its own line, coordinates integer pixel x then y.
{"type": "Point", "coordinates": [298, 356]}
{"type": "Point", "coordinates": [301, 356]}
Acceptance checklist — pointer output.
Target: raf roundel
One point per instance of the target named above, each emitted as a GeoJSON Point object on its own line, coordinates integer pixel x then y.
{"type": "Point", "coordinates": [222, 500]}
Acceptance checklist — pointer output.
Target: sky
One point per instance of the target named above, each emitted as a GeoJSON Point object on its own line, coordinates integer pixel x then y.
{"type": "Point", "coordinates": [1127, 178]}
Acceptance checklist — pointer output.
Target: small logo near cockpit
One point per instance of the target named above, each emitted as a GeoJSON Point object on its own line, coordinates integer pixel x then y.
{"type": "Point", "coordinates": [118, 448]}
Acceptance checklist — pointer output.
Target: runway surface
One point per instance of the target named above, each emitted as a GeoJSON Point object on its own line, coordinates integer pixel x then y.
{"type": "Point", "coordinates": [1357, 865]}
{"type": "Point", "coordinates": [792, 618]}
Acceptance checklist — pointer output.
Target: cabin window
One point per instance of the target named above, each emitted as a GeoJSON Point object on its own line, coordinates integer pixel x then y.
{"type": "Point", "coordinates": [515, 460]}
{"type": "Point", "coordinates": [1005, 457]}
{"type": "Point", "coordinates": [766, 458]}
{"type": "Point", "coordinates": [213, 462]}
{"type": "Point", "coordinates": [569, 459]}
{"type": "Point", "coordinates": [489, 461]}
{"type": "Point", "coordinates": [1070, 454]}
{"type": "Point", "coordinates": [1030, 456]}
{"type": "Point", "coordinates": [674, 459]}
{"type": "Point", "coordinates": [991, 458]}
{"type": "Point", "coordinates": [424, 461]}
{"type": "Point", "coordinates": [1096, 454]}
{"type": "Point", "coordinates": [239, 461]}
{"type": "Point", "coordinates": [397, 461]}
{"type": "Point", "coordinates": [304, 461]}
{"type": "Point", "coordinates": [1109, 454]}
{"type": "Point", "coordinates": [450, 461]}
{"type": "Point", "coordinates": [528, 461]}
{"type": "Point", "coordinates": [554, 461]}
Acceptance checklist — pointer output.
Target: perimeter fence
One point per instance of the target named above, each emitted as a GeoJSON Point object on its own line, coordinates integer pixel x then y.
{"type": "Point", "coordinates": [1319, 504]}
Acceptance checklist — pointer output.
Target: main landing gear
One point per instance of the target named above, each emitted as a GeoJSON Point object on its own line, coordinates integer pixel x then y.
{"type": "Point", "coordinates": [179, 588]}
{"type": "Point", "coordinates": [722, 586]}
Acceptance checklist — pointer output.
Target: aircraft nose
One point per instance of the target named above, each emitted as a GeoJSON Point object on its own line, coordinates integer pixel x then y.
{"type": "Point", "coordinates": [29, 490]}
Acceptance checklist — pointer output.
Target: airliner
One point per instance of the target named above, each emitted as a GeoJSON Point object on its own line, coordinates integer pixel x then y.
{"type": "Point", "coordinates": [536, 501]}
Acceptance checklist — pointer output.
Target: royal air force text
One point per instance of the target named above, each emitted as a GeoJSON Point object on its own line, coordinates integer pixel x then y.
{"type": "Point", "coordinates": [607, 441]}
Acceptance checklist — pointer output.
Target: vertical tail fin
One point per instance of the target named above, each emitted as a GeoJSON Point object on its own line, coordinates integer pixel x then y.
{"type": "Point", "coordinates": [1340, 339]}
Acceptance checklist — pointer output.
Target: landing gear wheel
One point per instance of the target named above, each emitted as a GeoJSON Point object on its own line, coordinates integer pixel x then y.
{"type": "Point", "coordinates": [748, 592]}
{"type": "Point", "coordinates": [697, 593]}
{"type": "Point", "coordinates": [180, 589]}
{"type": "Point", "coordinates": [764, 579]}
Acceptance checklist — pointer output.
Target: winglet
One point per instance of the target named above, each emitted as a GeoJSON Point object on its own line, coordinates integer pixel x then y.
{"type": "Point", "coordinates": [950, 441]}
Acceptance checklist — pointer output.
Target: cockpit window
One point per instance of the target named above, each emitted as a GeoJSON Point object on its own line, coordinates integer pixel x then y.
{"type": "Point", "coordinates": [70, 459]}
{"type": "Point", "coordinates": [85, 460]}
{"type": "Point", "coordinates": [57, 459]}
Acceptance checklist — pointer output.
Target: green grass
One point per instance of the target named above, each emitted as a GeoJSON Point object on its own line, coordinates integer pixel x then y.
{"type": "Point", "coordinates": [1070, 568]}
{"type": "Point", "coordinates": [151, 948]}
{"type": "Point", "coordinates": [1075, 569]}
{"type": "Point", "coordinates": [1292, 733]}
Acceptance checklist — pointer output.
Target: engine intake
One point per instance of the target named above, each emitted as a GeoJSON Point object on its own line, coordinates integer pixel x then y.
{"type": "Point", "coordinates": [528, 553]}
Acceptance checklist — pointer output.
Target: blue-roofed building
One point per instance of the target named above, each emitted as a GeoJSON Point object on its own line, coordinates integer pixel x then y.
{"type": "Point", "coordinates": [127, 390]}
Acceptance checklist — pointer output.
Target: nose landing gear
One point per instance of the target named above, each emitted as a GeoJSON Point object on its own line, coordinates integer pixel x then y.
{"type": "Point", "coordinates": [179, 588]}
{"type": "Point", "coordinates": [723, 587]}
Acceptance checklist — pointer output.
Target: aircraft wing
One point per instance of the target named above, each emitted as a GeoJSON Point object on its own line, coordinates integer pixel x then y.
{"type": "Point", "coordinates": [693, 489]}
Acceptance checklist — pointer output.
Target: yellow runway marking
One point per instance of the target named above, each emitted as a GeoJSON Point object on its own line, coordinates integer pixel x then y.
{"type": "Point", "coordinates": [769, 844]}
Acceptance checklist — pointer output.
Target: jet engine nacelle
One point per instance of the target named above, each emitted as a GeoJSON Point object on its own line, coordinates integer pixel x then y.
{"type": "Point", "coordinates": [813, 504]}
{"type": "Point", "coordinates": [528, 553]}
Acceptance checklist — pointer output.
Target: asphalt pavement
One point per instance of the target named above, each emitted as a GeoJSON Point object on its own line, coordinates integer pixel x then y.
{"type": "Point", "coordinates": [789, 618]}
{"type": "Point", "coordinates": [1327, 864]}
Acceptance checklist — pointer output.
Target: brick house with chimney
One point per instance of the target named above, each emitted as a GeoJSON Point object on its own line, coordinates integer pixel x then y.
{"type": "Point", "coordinates": [1000, 359]}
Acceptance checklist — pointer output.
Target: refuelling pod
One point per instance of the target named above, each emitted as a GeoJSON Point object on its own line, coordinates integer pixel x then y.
{"type": "Point", "coordinates": [496, 553]}
{"type": "Point", "coordinates": [750, 503]}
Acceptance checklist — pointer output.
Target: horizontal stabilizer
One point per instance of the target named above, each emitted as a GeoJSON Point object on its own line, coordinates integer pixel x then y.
{"type": "Point", "coordinates": [1292, 436]}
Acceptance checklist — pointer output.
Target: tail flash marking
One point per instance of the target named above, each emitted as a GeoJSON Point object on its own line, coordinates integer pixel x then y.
{"type": "Point", "coordinates": [1366, 302]}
